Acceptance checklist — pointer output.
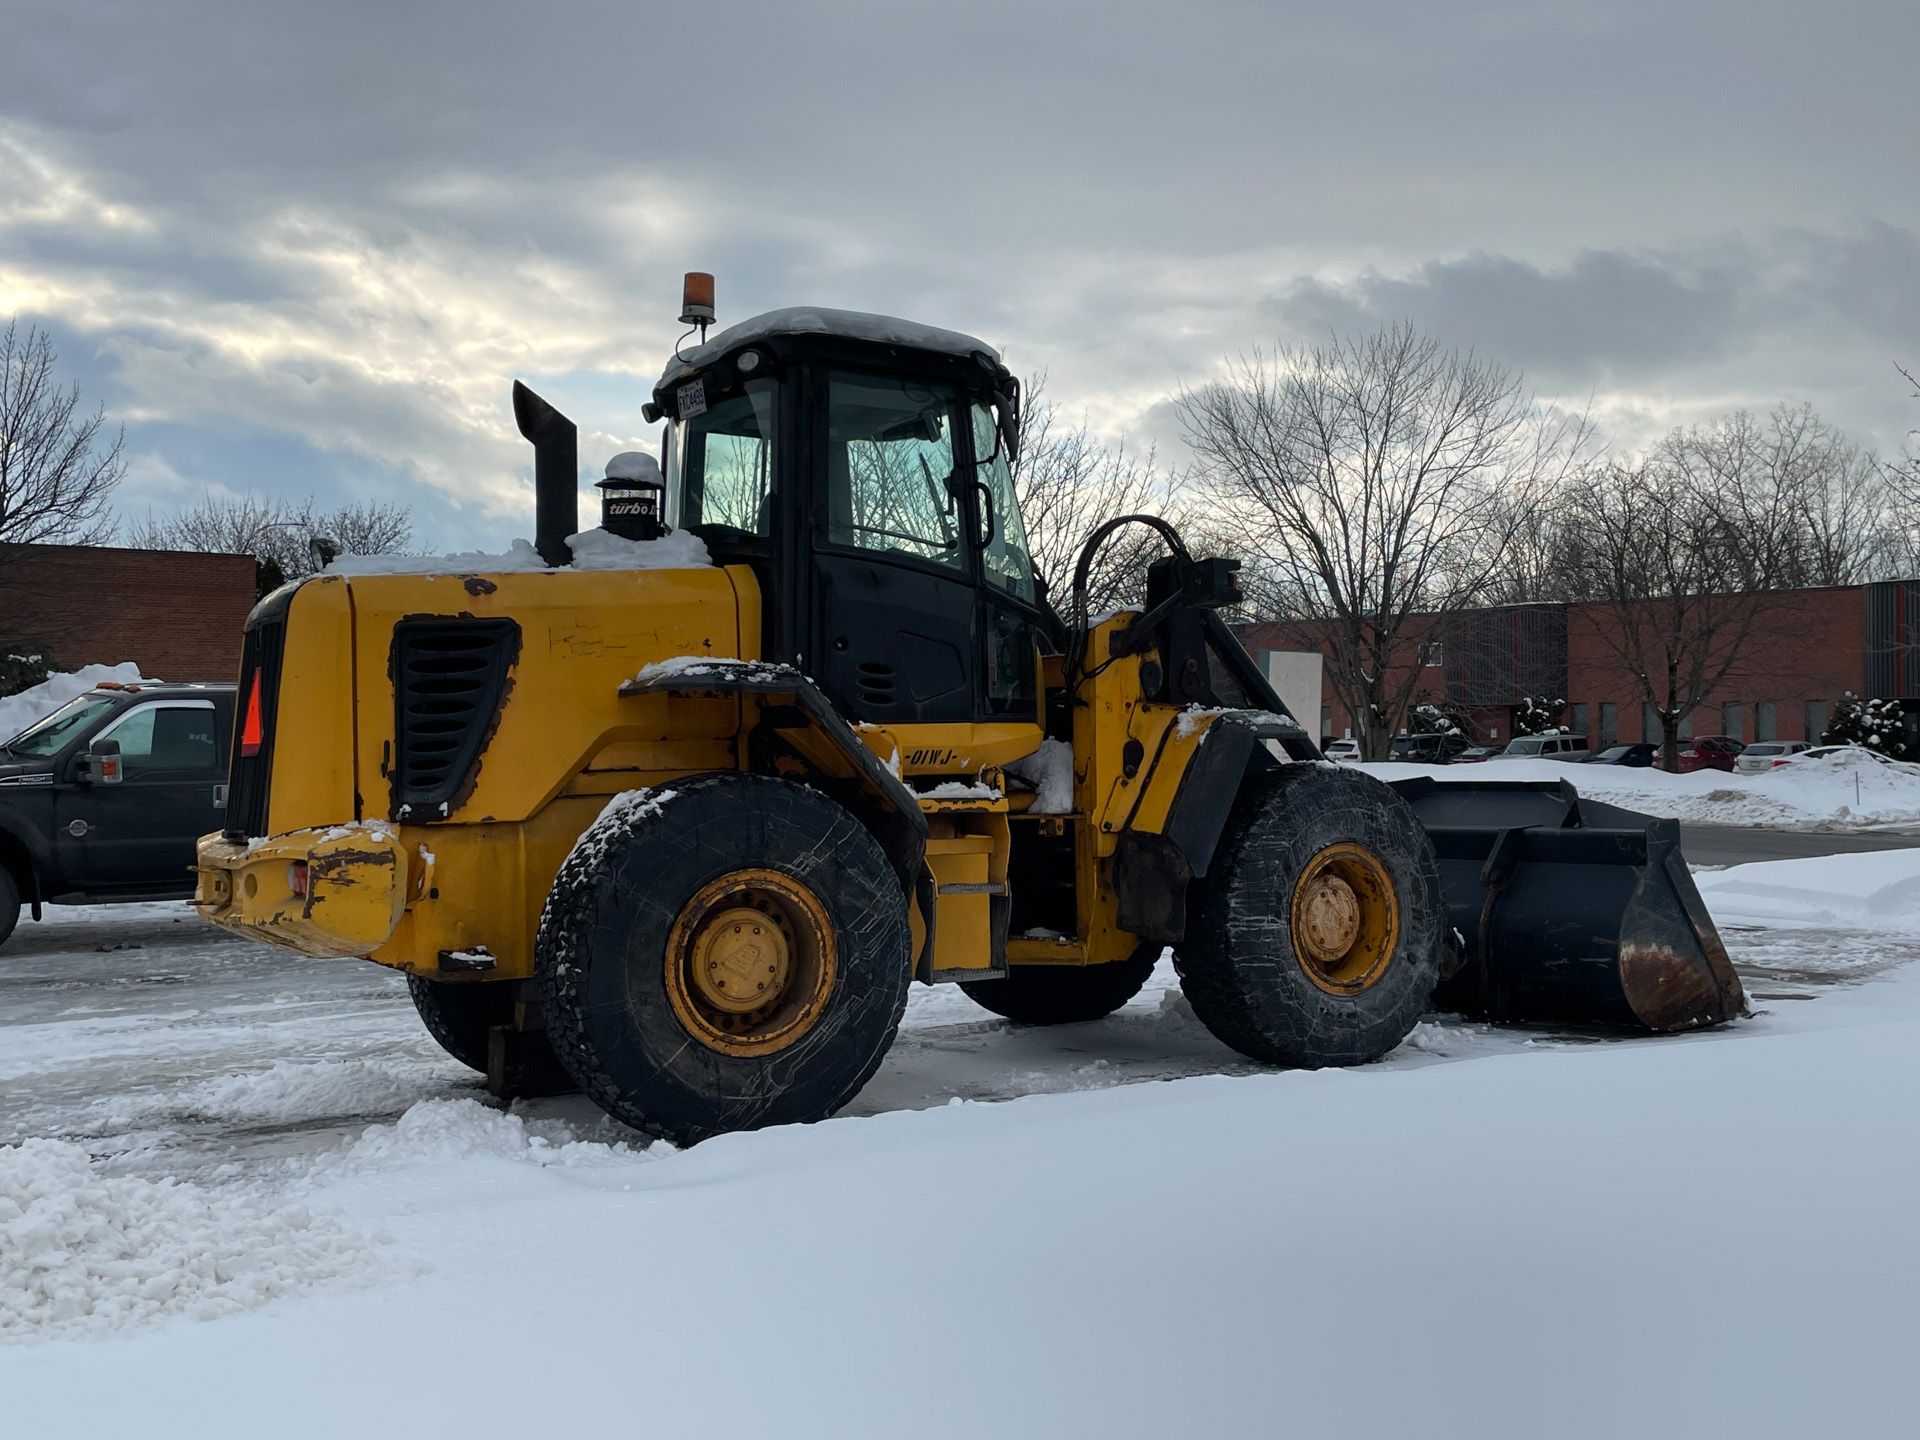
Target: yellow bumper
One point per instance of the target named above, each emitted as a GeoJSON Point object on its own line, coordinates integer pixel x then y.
{"type": "Point", "coordinates": [354, 878]}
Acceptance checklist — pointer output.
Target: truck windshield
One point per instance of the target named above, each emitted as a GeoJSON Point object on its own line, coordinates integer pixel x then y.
{"type": "Point", "coordinates": [45, 737]}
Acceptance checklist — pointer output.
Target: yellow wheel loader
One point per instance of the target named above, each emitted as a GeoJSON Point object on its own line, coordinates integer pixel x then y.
{"type": "Point", "coordinates": [674, 811]}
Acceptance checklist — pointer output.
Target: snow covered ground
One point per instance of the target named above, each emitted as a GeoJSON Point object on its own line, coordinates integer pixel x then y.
{"type": "Point", "coordinates": [254, 1198]}
{"type": "Point", "coordinates": [1839, 792]}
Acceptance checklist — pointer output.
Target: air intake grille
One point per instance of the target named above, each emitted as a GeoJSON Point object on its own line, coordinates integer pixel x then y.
{"type": "Point", "coordinates": [876, 682]}
{"type": "Point", "coordinates": [248, 775]}
{"type": "Point", "coordinates": [449, 677]}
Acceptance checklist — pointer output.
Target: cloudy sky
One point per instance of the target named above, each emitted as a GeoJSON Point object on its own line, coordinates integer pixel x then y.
{"type": "Point", "coordinates": [305, 248]}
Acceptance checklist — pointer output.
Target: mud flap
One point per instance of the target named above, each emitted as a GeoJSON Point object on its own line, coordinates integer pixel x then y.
{"type": "Point", "coordinates": [1565, 909]}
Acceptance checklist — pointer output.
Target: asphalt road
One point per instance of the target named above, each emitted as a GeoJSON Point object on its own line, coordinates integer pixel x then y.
{"type": "Point", "coordinates": [1736, 845]}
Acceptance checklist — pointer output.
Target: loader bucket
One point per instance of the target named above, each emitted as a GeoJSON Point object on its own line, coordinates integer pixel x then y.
{"type": "Point", "coordinates": [1569, 910]}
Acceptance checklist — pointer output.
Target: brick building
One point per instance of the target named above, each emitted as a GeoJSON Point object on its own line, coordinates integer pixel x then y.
{"type": "Point", "coordinates": [177, 615]}
{"type": "Point", "coordinates": [1813, 647]}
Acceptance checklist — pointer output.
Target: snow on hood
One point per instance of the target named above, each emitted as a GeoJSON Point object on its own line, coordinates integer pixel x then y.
{"type": "Point", "coordinates": [592, 550]}
{"type": "Point", "coordinates": [809, 320]}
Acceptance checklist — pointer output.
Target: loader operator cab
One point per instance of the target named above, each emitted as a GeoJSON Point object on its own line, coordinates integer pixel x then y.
{"type": "Point", "coordinates": [862, 467]}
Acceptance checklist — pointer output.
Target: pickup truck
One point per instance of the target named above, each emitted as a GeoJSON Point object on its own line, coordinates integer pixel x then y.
{"type": "Point", "coordinates": [102, 800]}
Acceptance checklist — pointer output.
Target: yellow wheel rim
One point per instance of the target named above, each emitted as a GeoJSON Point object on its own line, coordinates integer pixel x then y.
{"type": "Point", "coordinates": [1345, 919]}
{"type": "Point", "coordinates": [750, 963]}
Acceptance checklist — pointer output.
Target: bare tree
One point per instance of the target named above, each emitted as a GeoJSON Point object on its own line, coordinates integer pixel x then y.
{"type": "Point", "coordinates": [1068, 482]}
{"type": "Point", "coordinates": [1903, 483]}
{"type": "Point", "coordinates": [58, 468]}
{"type": "Point", "coordinates": [1684, 572]}
{"type": "Point", "coordinates": [277, 533]}
{"type": "Point", "coordinates": [1368, 481]}
{"type": "Point", "coordinates": [1810, 504]}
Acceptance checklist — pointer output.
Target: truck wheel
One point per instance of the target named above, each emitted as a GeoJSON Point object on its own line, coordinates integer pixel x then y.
{"type": "Point", "coordinates": [1317, 935]}
{"type": "Point", "coordinates": [462, 1016]}
{"type": "Point", "coordinates": [1064, 994]}
{"type": "Point", "coordinates": [724, 954]}
{"type": "Point", "coordinates": [9, 904]}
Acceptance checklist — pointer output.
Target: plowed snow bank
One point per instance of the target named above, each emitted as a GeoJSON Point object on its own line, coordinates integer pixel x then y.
{"type": "Point", "coordinates": [82, 1253]}
{"type": "Point", "coordinates": [1837, 792]}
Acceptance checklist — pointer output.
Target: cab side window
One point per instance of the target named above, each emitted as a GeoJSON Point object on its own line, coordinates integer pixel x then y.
{"type": "Point", "coordinates": [166, 739]}
{"type": "Point", "coordinates": [1006, 562]}
{"type": "Point", "coordinates": [890, 466]}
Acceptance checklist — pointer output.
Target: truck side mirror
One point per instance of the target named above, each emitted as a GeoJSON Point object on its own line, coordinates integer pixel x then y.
{"type": "Point", "coordinates": [103, 763]}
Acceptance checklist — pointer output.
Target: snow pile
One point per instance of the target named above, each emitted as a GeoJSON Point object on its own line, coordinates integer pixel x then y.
{"type": "Point", "coordinates": [592, 550]}
{"type": "Point", "coordinates": [816, 320]}
{"type": "Point", "coordinates": [1050, 771]}
{"type": "Point", "coordinates": [603, 550]}
{"type": "Point", "coordinates": [1848, 784]}
{"type": "Point", "coordinates": [36, 702]}
{"type": "Point", "coordinates": [83, 1253]}
{"type": "Point", "coordinates": [1878, 890]}
{"type": "Point", "coordinates": [959, 790]}
{"type": "Point", "coordinates": [634, 465]}
{"type": "Point", "coordinates": [1821, 793]}
{"type": "Point", "coordinates": [435, 1132]}
{"type": "Point", "coordinates": [701, 667]}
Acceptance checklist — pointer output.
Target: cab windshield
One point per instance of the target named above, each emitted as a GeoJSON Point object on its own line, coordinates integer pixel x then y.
{"type": "Point", "coordinates": [46, 737]}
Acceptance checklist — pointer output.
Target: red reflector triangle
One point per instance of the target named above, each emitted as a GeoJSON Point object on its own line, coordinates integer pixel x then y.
{"type": "Point", "coordinates": [252, 730]}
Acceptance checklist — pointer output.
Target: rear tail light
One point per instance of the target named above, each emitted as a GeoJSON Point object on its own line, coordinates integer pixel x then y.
{"type": "Point", "coordinates": [253, 726]}
{"type": "Point", "coordinates": [1781, 761]}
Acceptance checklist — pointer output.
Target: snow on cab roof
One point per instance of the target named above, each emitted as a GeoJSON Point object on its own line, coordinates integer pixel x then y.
{"type": "Point", "coordinates": [812, 320]}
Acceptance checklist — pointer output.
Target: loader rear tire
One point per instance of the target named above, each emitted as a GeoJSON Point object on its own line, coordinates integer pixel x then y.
{"type": "Point", "coordinates": [1317, 935]}
{"type": "Point", "coordinates": [462, 1016]}
{"type": "Point", "coordinates": [1064, 994]}
{"type": "Point", "coordinates": [674, 916]}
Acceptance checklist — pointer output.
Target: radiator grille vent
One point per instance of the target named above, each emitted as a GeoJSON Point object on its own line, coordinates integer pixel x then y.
{"type": "Point", "coordinates": [449, 677]}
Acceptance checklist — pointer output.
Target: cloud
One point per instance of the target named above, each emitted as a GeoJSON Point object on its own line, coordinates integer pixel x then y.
{"type": "Point", "coordinates": [312, 245]}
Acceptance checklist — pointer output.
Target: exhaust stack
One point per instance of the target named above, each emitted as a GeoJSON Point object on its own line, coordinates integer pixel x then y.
{"type": "Point", "coordinates": [556, 473]}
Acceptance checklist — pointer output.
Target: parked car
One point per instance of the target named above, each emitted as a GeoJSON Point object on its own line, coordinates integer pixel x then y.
{"type": "Point", "coordinates": [1708, 752]}
{"type": "Point", "coordinates": [1347, 752]}
{"type": "Point", "coordinates": [1428, 749]}
{"type": "Point", "coordinates": [1765, 754]}
{"type": "Point", "coordinates": [1572, 748]}
{"type": "Point", "coordinates": [102, 800]}
{"type": "Point", "coordinates": [1476, 754]}
{"type": "Point", "coordinates": [1638, 757]}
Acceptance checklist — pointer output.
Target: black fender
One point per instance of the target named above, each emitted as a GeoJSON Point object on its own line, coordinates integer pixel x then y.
{"type": "Point", "coordinates": [785, 711]}
{"type": "Point", "coordinates": [1151, 871]}
{"type": "Point", "coordinates": [21, 860]}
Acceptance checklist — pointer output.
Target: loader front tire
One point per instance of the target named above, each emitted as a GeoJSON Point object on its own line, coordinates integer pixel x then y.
{"type": "Point", "coordinates": [1316, 936]}
{"type": "Point", "coordinates": [1064, 994]}
{"type": "Point", "coordinates": [723, 954]}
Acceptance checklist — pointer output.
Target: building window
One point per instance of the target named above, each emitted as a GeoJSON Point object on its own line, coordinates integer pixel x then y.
{"type": "Point", "coordinates": [1433, 652]}
{"type": "Point", "coordinates": [1326, 721]}
{"type": "Point", "coordinates": [1764, 724]}
{"type": "Point", "coordinates": [1650, 724]}
{"type": "Point", "coordinates": [1577, 719]}
{"type": "Point", "coordinates": [1733, 719]}
{"type": "Point", "coordinates": [1816, 719]}
{"type": "Point", "coordinates": [1609, 724]}
{"type": "Point", "coordinates": [1686, 726]}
